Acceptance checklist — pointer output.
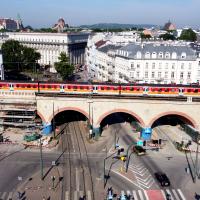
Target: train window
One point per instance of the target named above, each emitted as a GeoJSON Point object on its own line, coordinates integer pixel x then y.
{"type": "Point", "coordinates": [138, 89]}
{"type": "Point", "coordinates": [189, 90]}
{"type": "Point", "coordinates": [69, 87]}
{"type": "Point", "coordinates": [49, 86]}
{"type": "Point", "coordinates": [196, 90]}
{"type": "Point", "coordinates": [131, 89]}
{"type": "Point", "coordinates": [43, 86]}
{"type": "Point", "coordinates": [166, 89]}
{"type": "Point", "coordinates": [173, 90]}
{"type": "Point", "coordinates": [159, 89]}
{"type": "Point", "coordinates": [28, 86]}
{"type": "Point", "coordinates": [34, 86]}
{"type": "Point", "coordinates": [75, 87]}
{"type": "Point", "coordinates": [81, 87]}
{"type": "Point", "coordinates": [86, 88]}
{"type": "Point", "coordinates": [108, 88]}
{"type": "Point", "coordinates": [115, 88]}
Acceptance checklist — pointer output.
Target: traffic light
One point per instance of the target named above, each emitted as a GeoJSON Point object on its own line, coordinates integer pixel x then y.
{"type": "Point", "coordinates": [160, 141]}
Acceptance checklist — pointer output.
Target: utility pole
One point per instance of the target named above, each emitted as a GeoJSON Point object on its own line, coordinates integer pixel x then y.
{"type": "Point", "coordinates": [41, 160]}
{"type": "Point", "coordinates": [54, 130]}
{"type": "Point", "coordinates": [196, 161]}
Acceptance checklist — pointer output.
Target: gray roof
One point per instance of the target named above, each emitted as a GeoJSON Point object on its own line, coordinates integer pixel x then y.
{"type": "Point", "coordinates": [132, 49]}
{"type": "Point", "coordinates": [109, 47]}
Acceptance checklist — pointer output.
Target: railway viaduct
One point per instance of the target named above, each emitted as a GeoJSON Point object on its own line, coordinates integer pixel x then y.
{"type": "Point", "coordinates": [146, 111]}
{"type": "Point", "coordinates": [95, 108]}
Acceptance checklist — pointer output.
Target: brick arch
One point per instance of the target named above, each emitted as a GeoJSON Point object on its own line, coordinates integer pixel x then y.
{"type": "Point", "coordinates": [69, 109]}
{"type": "Point", "coordinates": [137, 117]}
{"type": "Point", "coordinates": [184, 116]}
{"type": "Point", "coordinates": [41, 116]}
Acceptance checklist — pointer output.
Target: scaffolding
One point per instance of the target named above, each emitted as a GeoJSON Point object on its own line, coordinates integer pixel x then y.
{"type": "Point", "coordinates": [17, 113]}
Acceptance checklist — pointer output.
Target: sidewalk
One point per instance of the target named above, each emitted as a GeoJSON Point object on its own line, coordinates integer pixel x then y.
{"type": "Point", "coordinates": [36, 189]}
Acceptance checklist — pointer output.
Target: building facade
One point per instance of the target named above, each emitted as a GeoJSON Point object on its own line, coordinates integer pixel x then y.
{"type": "Point", "coordinates": [8, 24]}
{"type": "Point", "coordinates": [50, 45]}
{"type": "Point", "coordinates": [148, 63]}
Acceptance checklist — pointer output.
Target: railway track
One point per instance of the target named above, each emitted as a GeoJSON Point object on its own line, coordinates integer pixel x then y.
{"type": "Point", "coordinates": [77, 166]}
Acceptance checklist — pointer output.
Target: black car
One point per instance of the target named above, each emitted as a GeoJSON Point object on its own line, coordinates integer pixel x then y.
{"type": "Point", "coordinates": [162, 179]}
{"type": "Point", "coordinates": [139, 150]}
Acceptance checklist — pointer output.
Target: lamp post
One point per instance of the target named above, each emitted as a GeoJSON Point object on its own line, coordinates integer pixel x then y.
{"type": "Point", "coordinates": [41, 160]}
{"type": "Point", "coordinates": [127, 156]}
{"type": "Point", "coordinates": [196, 173]}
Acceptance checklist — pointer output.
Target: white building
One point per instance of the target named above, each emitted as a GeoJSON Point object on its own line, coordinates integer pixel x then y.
{"type": "Point", "coordinates": [50, 45]}
{"type": "Point", "coordinates": [1, 67]}
{"type": "Point", "coordinates": [147, 63]}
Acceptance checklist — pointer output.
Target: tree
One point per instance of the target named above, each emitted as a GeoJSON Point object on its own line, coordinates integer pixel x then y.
{"type": "Point", "coordinates": [143, 36]}
{"type": "Point", "coordinates": [167, 36]}
{"type": "Point", "coordinates": [188, 35]}
{"type": "Point", "coordinates": [17, 56]}
{"type": "Point", "coordinates": [63, 67]}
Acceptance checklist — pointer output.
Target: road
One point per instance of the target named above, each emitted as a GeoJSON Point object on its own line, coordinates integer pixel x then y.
{"type": "Point", "coordinates": [83, 167]}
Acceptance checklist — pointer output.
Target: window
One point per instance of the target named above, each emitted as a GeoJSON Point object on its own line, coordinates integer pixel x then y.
{"type": "Point", "coordinates": [173, 65]}
{"type": "Point", "coordinates": [166, 74]}
{"type": "Point", "coordinates": [160, 55]}
{"type": "Point", "coordinates": [139, 55]}
{"type": "Point", "coordinates": [174, 55]}
{"type": "Point", "coordinates": [138, 74]}
{"type": "Point", "coordinates": [138, 66]}
{"type": "Point", "coordinates": [159, 74]}
{"type": "Point", "coordinates": [172, 74]}
{"type": "Point", "coordinates": [153, 65]}
{"type": "Point", "coordinates": [147, 55]}
{"type": "Point", "coordinates": [146, 65]}
{"type": "Point", "coordinates": [160, 65]}
{"type": "Point", "coordinates": [181, 75]}
{"type": "Point", "coordinates": [166, 65]}
{"type": "Point", "coordinates": [190, 66]}
{"type": "Point", "coordinates": [132, 65]}
{"type": "Point", "coordinates": [153, 75]}
{"type": "Point", "coordinates": [189, 75]}
{"type": "Point", "coordinates": [154, 55]}
{"type": "Point", "coordinates": [146, 74]}
{"type": "Point", "coordinates": [182, 65]}
{"type": "Point", "coordinates": [167, 55]}
{"type": "Point", "coordinates": [183, 55]}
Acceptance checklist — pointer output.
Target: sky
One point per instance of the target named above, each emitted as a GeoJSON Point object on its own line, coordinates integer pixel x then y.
{"type": "Point", "coordinates": [45, 13]}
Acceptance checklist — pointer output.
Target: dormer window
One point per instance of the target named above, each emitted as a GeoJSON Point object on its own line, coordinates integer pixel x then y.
{"type": "Point", "coordinates": [174, 55]}
{"type": "Point", "coordinates": [160, 55]}
{"type": "Point", "coordinates": [167, 55]}
{"type": "Point", "coordinates": [154, 55]}
{"type": "Point", "coordinates": [183, 55]}
{"type": "Point", "coordinates": [139, 55]}
{"type": "Point", "coordinates": [147, 55]}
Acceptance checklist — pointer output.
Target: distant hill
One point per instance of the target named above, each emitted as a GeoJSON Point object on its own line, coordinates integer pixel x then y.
{"type": "Point", "coordinates": [117, 26]}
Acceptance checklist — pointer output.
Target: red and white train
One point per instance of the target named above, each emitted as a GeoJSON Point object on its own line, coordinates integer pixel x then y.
{"type": "Point", "coordinates": [102, 88]}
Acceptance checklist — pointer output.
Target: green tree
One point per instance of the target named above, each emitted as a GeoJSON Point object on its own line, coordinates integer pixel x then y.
{"type": "Point", "coordinates": [167, 36]}
{"type": "Point", "coordinates": [63, 67]}
{"type": "Point", "coordinates": [188, 35]}
{"type": "Point", "coordinates": [17, 56]}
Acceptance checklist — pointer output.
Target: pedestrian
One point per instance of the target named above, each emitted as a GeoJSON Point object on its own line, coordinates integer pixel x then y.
{"type": "Point", "coordinates": [18, 195]}
{"type": "Point", "coordinates": [43, 198]}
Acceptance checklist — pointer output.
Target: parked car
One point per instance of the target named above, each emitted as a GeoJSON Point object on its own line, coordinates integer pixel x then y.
{"type": "Point", "coordinates": [139, 150]}
{"type": "Point", "coordinates": [162, 179]}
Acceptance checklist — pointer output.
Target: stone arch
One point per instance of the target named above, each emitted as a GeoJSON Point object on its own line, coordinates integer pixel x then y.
{"type": "Point", "coordinates": [189, 119]}
{"type": "Point", "coordinates": [137, 117]}
{"type": "Point", "coordinates": [69, 109]}
{"type": "Point", "coordinates": [41, 116]}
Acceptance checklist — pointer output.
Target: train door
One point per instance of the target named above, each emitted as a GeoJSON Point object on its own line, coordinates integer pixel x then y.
{"type": "Point", "coordinates": [181, 90]}
{"type": "Point", "coordinates": [62, 88]}
{"type": "Point", "coordinates": [95, 89]}
{"type": "Point", "coordinates": [145, 90]}
{"type": "Point", "coordinates": [11, 86]}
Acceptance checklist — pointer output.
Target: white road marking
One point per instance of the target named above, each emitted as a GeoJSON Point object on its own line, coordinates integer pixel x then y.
{"type": "Point", "coordinates": [75, 195]}
{"type": "Point", "coordinates": [181, 194]}
{"type": "Point", "coordinates": [135, 195]}
{"type": "Point", "coordinates": [140, 194]}
{"type": "Point", "coordinates": [168, 191]}
{"type": "Point", "coordinates": [145, 194]}
{"type": "Point", "coordinates": [164, 195]}
{"type": "Point", "coordinates": [175, 194]}
{"type": "Point", "coordinates": [3, 195]}
{"type": "Point", "coordinates": [9, 196]}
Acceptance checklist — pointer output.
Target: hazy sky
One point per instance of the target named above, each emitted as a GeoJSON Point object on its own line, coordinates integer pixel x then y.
{"type": "Point", "coordinates": [45, 13]}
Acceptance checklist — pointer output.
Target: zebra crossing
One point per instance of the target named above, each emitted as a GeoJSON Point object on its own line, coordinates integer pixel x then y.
{"type": "Point", "coordinates": [6, 195]}
{"type": "Point", "coordinates": [175, 194]}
